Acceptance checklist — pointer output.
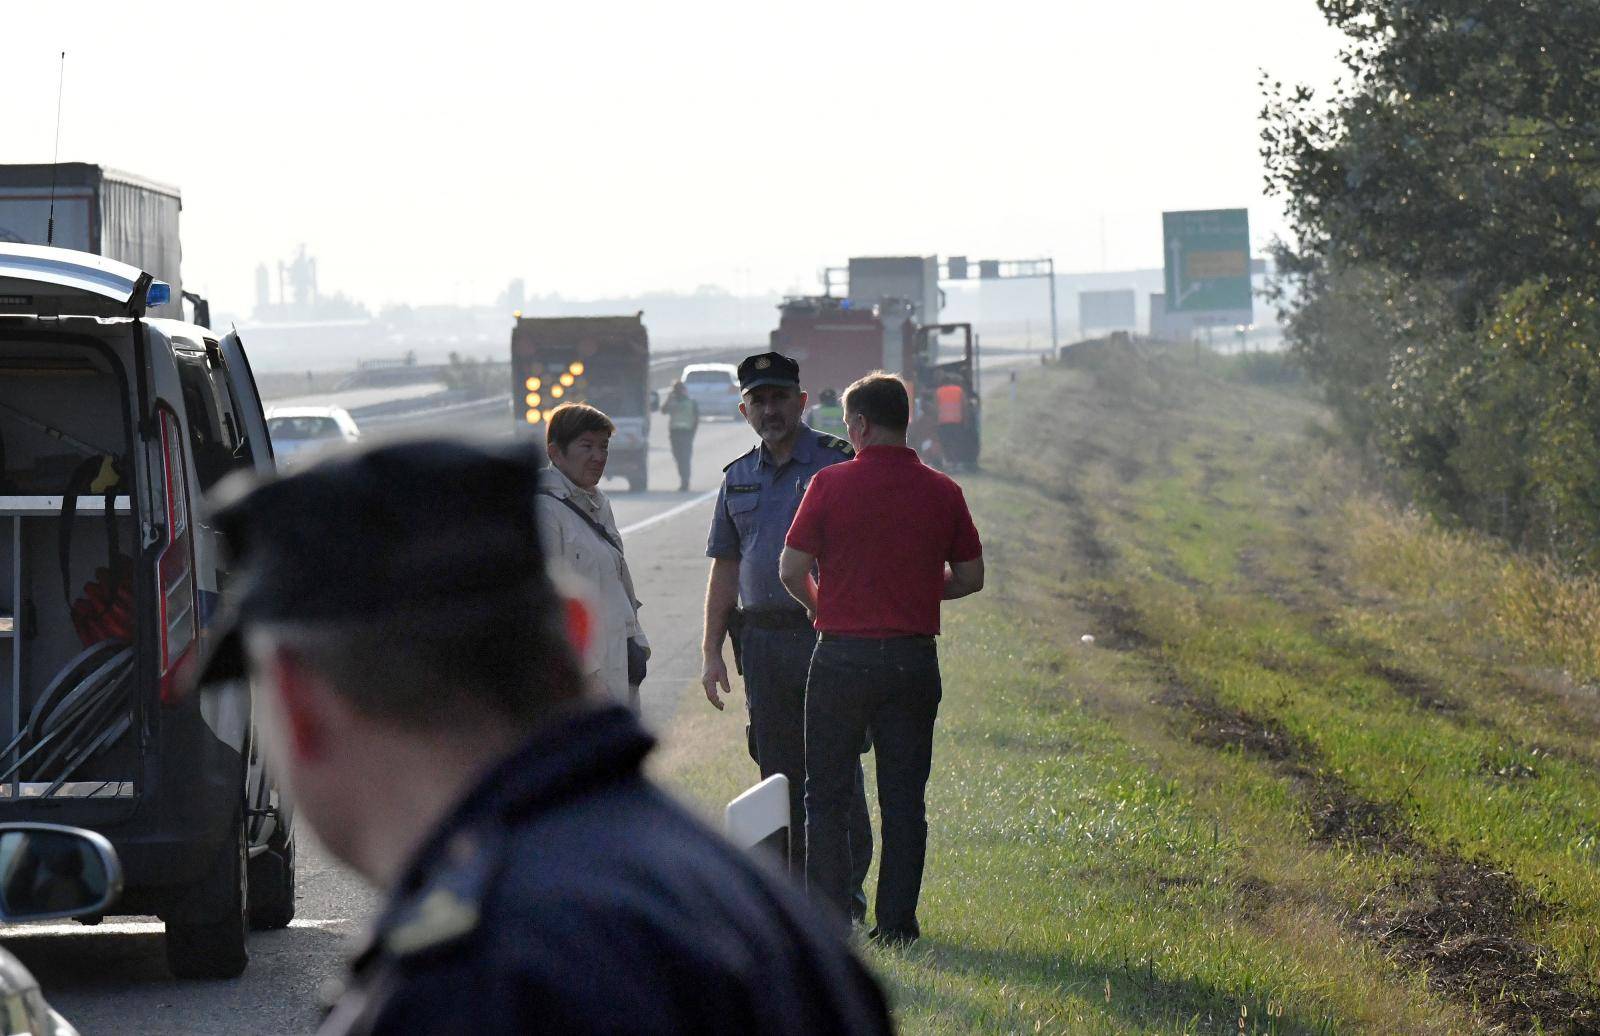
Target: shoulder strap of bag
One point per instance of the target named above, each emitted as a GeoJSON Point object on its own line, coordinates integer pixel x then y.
{"type": "Point", "coordinates": [599, 530]}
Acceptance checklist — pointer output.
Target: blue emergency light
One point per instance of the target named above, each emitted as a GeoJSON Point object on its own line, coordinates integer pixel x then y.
{"type": "Point", "coordinates": [158, 294]}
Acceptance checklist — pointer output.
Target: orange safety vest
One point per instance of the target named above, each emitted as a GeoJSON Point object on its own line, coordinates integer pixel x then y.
{"type": "Point", "coordinates": [952, 404]}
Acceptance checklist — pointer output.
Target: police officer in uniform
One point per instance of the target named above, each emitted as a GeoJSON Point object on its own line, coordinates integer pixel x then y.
{"type": "Point", "coordinates": [417, 690]}
{"type": "Point", "coordinates": [774, 637]}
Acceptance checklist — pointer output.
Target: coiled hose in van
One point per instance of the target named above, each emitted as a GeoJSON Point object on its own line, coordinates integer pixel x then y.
{"type": "Point", "coordinates": [83, 710]}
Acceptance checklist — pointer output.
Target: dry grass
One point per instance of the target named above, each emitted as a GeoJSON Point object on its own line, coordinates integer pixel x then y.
{"type": "Point", "coordinates": [1541, 610]}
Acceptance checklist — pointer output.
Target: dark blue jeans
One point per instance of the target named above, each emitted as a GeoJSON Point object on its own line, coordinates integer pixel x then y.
{"type": "Point", "coordinates": [775, 664]}
{"type": "Point", "coordinates": [892, 687]}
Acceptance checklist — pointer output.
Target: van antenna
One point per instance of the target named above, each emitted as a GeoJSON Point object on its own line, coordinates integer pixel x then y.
{"type": "Point", "coordinates": [55, 159]}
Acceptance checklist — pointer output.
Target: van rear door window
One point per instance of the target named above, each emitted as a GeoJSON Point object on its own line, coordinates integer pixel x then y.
{"type": "Point", "coordinates": [213, 433]}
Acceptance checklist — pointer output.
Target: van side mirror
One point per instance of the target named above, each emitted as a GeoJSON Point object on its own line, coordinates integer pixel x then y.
{"type": "Point", "coordinates": [49, 871]}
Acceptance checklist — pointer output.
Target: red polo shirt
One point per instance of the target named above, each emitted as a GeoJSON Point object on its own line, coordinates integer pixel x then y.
{"type": "Point", "coordinates": [882, 527]}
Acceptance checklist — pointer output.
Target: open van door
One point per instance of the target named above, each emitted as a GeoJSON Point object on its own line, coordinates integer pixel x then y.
{"type": "Point", "coordinates": [269, 828]}
{"type": "Point", "coordinates": [247, 402]}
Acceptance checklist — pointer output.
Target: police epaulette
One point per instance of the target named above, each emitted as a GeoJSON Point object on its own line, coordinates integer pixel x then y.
{"type": "Point", "coordinates": [833, 442]}
{"type": "Point", "coordinates": [740, 457]}
{"type": "Point", "coordinates": [441, 917]}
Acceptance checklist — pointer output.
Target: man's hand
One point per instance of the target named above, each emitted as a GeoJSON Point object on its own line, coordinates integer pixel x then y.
{"type": "Point", "coordinates": [722, 593]}
{"type": "Point", "coordinates": [963, 578]}
{"type": "Point", "coordinates": [714, 675]}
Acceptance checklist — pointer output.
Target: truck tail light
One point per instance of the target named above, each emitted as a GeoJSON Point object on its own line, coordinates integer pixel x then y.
{"type": "Point", "coordinates": [175, 589]}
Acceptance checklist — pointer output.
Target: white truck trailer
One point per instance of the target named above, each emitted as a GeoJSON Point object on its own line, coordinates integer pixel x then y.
{"type": "Point", "coordinates": [98, 210]}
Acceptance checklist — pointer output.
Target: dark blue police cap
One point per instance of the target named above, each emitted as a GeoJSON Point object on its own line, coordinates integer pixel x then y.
{"type": "Point", "coordinates": [427, 536]}
{"type": "Point", "coordinates": [768, 369]}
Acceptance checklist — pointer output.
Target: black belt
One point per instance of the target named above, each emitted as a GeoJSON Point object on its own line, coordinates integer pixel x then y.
{"type": "Point", "coordinates": [898, 638]}
{"type": "Point", "coordinates": [774, 619]}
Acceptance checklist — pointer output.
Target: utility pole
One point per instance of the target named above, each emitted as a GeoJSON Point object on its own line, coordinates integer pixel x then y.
{"type": "Point", "coordinates": [1055, 345]}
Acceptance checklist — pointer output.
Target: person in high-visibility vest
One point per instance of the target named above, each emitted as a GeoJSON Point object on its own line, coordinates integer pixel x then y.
{"type": "Point", "coordinates": [951, 404]}
{"type": "Point", "coordinates": [683, 418]}
{"type": "Point", "coordinates": [828, 415]}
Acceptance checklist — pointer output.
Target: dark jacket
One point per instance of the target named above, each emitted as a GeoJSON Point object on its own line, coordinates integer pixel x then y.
{"type": "Point", "coordinates": [568, 894]}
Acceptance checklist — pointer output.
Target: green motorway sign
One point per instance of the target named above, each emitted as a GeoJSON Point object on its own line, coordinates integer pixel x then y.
{"type": "Point", "coordinates": [1208, 263]}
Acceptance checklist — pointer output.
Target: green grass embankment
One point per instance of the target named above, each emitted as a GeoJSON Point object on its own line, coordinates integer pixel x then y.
{"type": "Point", "coordinates": [1324, 769]}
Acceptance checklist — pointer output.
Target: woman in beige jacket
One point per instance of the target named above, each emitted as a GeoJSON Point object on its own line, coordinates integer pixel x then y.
{"type": "Point", "coordinates": [577, 527]}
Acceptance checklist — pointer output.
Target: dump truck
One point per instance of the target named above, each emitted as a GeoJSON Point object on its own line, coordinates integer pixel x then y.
{"type": "Point", "coordinates": [98, 210]}
{"type": "Point", "coordinates": [602, 361]}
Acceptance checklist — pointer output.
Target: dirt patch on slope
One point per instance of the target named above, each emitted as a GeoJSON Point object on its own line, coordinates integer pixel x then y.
{"type": "Point", "coordinates": [1217, 726]}
{"type": "Point", "coordinates": [1335, 812]}
{"type": "Point", "coordinates": [1116, 623]}
{"type": "Point", "coordinates": [1086, 540]}
{"type": "Point", "coordinates": [1415, 688]}
{"type": "Point", "coordinates": [1460, 920]}
{"type": "Point", "coordinates": [1456, 920]}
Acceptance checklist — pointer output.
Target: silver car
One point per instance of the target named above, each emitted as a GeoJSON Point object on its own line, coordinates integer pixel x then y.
{"type": "Point", "coordinates": [301, 432]}
{"type": "Point", "coordinates": [714, 387]}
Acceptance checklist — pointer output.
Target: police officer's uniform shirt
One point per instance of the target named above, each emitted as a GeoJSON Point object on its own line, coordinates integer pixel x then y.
{"type": "Point", "coordinates": [755, 506]}
{"type": "Point", "coordinates": [568, 894]}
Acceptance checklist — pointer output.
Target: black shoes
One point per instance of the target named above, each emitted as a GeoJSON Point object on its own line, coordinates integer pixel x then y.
{"type": "Point", "coordinates": [892, 937]}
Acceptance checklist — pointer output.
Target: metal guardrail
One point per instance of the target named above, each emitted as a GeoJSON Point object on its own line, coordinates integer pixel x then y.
{"type": "Point", "coordinates": [396, 411]}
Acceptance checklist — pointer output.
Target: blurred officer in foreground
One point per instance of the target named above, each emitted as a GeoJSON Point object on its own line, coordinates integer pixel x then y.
{"type": "Point", "coordinates": [417, 693]}
{"type": "Point", "coordinates": [891, 538]}
{"type": "Point", "coordinates": [760, 492]}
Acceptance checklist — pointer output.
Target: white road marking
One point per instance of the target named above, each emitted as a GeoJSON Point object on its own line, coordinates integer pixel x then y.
{"type": "Point", "coordinates": [28, 931]}
{"type": "Point", "coordinates": [669, 513]}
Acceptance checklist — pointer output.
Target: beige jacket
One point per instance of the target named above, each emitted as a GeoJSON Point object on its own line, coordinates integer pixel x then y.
{"type": "Point", "coordinates": [571, 543]}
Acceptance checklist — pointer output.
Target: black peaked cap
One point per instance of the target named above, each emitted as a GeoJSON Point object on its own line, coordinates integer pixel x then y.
{"type": "Point", "coordinates": [425, 535]}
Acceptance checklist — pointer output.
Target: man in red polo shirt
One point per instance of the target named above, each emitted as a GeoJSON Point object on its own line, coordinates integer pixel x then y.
{"type": "Point", "coordinates": [890, 538]}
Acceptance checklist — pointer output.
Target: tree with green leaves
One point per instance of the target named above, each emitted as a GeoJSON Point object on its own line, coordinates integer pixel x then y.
{"type": "Point", "coordinates": [1442, 280]}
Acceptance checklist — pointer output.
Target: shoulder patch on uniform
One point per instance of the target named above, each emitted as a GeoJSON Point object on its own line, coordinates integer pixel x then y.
{"type": "Point", "coordinates": [740, 457]}
{"type": "Point", "coordinates": [441, 917]}
{"type": "Point", "coordinates": [833, 442]}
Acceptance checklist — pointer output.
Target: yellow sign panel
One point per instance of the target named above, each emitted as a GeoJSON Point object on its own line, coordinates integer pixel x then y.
{"type": "Point", "coordinates": [1200, 266]}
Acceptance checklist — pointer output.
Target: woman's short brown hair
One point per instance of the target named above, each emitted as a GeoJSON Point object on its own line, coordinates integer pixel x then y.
{"type": "Point", "coordinates": [881, 398]}
{"type": "Point", "coordinates": [570, 420]}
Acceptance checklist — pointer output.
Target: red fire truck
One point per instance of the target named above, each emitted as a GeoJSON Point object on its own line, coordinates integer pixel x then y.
{"type": "Point", "coordinates": [837, 342]}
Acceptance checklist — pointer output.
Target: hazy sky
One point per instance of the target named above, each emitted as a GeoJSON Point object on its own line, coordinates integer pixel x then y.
{"type": "Point", "coordinates": [430, 153]}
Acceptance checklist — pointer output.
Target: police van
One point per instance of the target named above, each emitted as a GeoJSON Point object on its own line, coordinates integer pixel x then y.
{"type": "Point", "coordinates": [113, 425]}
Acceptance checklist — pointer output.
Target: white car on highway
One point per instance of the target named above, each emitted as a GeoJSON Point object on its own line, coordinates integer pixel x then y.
{"type": "Point", "coordinates": [714, 387]}
{"type": "Point", "coordinates": [299, 433]}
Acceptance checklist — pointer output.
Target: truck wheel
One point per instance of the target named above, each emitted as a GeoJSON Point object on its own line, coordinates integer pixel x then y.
{"type": "Point", "coordinates": [215, 948]}
{"type": "Point", "coordinates": [271, 884]}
